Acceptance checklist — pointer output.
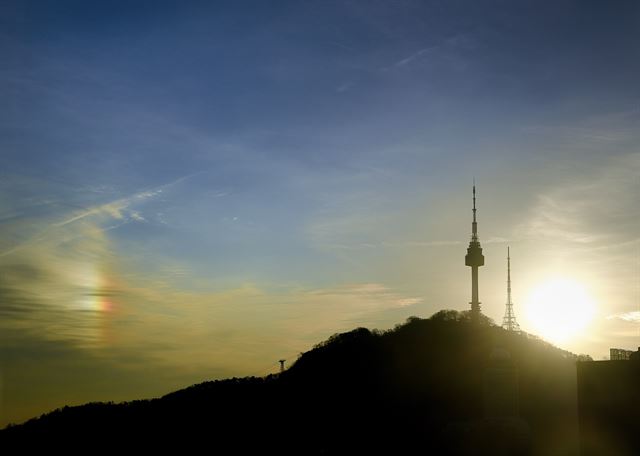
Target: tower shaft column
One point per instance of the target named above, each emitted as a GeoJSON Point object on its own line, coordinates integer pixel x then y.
{"type": "Point", "coordinates": [475, 305]}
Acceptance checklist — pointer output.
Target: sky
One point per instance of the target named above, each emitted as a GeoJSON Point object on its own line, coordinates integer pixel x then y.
{"type": "Point", "coordinates": [195, 190]}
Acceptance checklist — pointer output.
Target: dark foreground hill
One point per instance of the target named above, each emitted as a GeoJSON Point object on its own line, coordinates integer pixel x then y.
{"type": "Point", "coordinates": [415, 389]}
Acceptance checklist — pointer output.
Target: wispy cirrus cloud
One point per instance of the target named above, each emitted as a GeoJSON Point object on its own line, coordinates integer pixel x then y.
{"type": "Point", "coordinates": [415, 56]}
{"type": "Point", "coordinates": [101, 216]}
{"type": "Point", "coordinates": [115, 209]}
{"type": "Point", "coordinates": [121, 208]}
{"type": "Point", "coordinates": [447, 46]}
{"type": "Point", "coordinates": [598, 210]}
{"type": "Point", "coordinates": [59, 286]}
{"type": "Point", "coordinates": [394, 244]}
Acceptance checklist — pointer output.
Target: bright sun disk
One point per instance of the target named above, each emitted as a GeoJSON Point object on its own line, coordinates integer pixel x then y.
{"type": "Point", "coordinates": [559, 309]}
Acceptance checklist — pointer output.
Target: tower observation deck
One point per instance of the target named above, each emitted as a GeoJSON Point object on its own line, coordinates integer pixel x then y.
{"type": "Point", "coordinates": [474, 259]}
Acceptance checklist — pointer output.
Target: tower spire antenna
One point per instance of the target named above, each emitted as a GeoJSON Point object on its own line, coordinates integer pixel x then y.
{"type": "Point", "coordinates": [474, 224]}
{"type": "Point", "coordinates": [474, 259]}
{"type": "Point", "coordinates": [508, 275]}
{"type": "Point", "coordinates": [509, 321]}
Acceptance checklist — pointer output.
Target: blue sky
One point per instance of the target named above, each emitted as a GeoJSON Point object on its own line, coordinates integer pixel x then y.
{"type": "Point", "coordinates": [260, 175]}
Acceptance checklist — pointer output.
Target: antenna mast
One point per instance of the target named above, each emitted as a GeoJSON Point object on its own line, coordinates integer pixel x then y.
{"type": "Point", "coordinates": [509, 321]}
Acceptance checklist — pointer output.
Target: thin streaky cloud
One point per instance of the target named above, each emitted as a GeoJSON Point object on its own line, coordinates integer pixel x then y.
{"type": "Point", "coordinates": [438, 243]}
{"type": "Point", "coordinates": [415, 55]}
{"type": "Point", "coordinates": [112, 210]}
{"type": "Point", "coordinates": [496, 240]}
{"type": "Point", "coordinates": [370, 245]}
{"type": "Point", "coordinates": [406, 302]}
{"type": "Point", "coordinates": [345, 87]}
{"type": "Point", "coordinates": [619, 245]}
{"type": "Point", "coordinates": [115, 208]}
{"type": "Point", "coordinates": [633, 316]}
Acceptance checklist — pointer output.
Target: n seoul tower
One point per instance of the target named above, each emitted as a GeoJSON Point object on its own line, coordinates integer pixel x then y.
{"type": "Point", "coordinates": [475, 259]}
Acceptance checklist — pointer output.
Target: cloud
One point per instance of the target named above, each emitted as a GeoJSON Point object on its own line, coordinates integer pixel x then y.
{"type": "Point", "coordinates": [597, 136]}
{"type": "Point", "coordinates": [345, 86]}
{"type": "Point", "coordinates": [352, 289]}
{"type": "Point", "coordinates": [355, 302]}
{"type": "Point", "coordinates": [98, 216]}
{"type": "Point", "coordinates": [406, 302]}
{"type": "Point", "coordinates": [135, 215]}
{"type": "Point", "coordinates": [115, 209]}
{"type": "Point", "coordinates": [415, 56]}
{"type": "Point", "coordinates": [402, 244]}
{"type": "Point", "coordinates": [598, 210]}
{"type": "Point", "coordinates": [120, 208]}
{"type": "Point", "coordinates": [495, 240]}
{"type": "Point", "coordinates": [633, 316]}
{"type": "Point", "coordinates": [57, 287]}
{"type": "Point", "coordinates": [447, 47]}
{"type": "Point", "coordinates": [71, 288]}
{"type": "Point", "coordinates": [437, 243]}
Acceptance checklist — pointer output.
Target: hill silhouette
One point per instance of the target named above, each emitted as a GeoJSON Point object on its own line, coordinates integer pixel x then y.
{"type": "Point", "coordinates": [417, 387]}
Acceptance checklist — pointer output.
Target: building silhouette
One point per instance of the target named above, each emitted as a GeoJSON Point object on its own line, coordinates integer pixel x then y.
{"type": "Point", "coordinates": [509, 321]}
{"type": "Point", "coordinates": [617, 354]}
{"type": "Point", "coordinates": [474, 259]}
{"type": "Point", "coordinates": [609, 406]}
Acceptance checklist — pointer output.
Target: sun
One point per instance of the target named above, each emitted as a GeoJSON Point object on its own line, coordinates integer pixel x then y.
{"type": "Point", "coordinates": [559, 309]}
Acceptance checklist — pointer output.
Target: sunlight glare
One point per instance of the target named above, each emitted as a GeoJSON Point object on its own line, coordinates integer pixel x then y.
{"type": "Point", "coordinates": [559, 309]}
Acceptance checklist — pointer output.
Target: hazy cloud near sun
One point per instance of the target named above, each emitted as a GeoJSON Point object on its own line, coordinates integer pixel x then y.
{"type": "Point", "coordinates": [587, 227]}
{"type": "Point", "coordinates": [597, 210]}
{"type": "Point", "coordinates": [633, 316]}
